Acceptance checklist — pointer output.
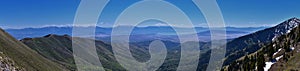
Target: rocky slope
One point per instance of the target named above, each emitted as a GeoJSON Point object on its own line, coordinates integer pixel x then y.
{"type": "Point", "coordinates": [7, 64]}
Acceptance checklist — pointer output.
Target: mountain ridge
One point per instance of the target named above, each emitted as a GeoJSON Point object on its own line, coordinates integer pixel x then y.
{"type": "Point", "coordinates": [281, 54]}
{"type": "Point", "coordinates": [250, 43]}
{"type": "Point", "coordinates": [103, 33]}
{"type": "Point", "coordinates": [23, 56]}
{"type": "Point", "coordinates": [58, 48]}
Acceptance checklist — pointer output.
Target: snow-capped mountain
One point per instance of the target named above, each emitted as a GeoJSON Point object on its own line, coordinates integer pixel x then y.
{"type": "Point", "coordinates": [281, 54]}
{"type": "Point", "coordinates": [252, 42]}
{"type": "Point", "coordinates": [286, 27]}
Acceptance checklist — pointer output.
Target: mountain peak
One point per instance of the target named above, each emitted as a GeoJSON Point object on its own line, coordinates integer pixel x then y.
{"type": "Point", "coordinates": [293, 20]}
{"type": "Point", "coordinates": [286, 26]}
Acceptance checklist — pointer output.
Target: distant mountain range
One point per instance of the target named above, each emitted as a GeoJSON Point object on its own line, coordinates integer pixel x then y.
{"type": "Point", "coordinates": [274, 48]}
{"type": "Point", "coordinates": [58, 49]}
{"type": "Point", "coordinates": [147, 33]}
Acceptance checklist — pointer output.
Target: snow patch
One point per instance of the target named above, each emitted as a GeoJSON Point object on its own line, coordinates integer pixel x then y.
{"type": "Point", "coordinates": [277, 58]}
{"type": "Point", "coordinates": [268, 65]}
{"type": "Point", "coordinates": [291, 25]}
{"type": "Point", "coordinates": [255, 67]}
{"type": "Point", "coordinates": [277, 51]}
{"type": "Point", "coordinates": [273, 39]}
{"type": "Point", "coordinates": [293, 48]}
{"type": "Point", "coordinates": [288, 31]}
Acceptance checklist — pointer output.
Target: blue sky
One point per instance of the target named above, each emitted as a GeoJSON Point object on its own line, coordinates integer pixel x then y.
{"type": "Point", "coordinates": [237, 13]}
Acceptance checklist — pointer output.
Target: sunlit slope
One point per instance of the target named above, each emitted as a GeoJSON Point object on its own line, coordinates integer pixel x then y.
{"type": "Point", "coordinates": [23, 56]}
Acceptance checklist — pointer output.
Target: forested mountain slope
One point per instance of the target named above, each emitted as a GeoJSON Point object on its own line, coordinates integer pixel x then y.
{"type": "Point", "coordinates": [281, 54]}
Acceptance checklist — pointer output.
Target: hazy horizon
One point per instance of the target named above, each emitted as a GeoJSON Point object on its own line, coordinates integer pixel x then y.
{"type": "Point", "coordinates": [254, 13]}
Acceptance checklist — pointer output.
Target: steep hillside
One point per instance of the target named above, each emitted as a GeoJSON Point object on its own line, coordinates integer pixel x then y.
{"type": "Point", "coordinates": [281, 54]}
{"type": "Point", "coordinates": [286, 51]}
{"type": "Point", "coordinates": [15, 54]}
{"type": "Point", "coordinates": [59, 49]}
{"type": "Point", "coordinates": [251, 43]}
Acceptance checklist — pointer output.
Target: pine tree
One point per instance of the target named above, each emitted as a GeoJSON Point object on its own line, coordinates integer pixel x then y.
{"type": "Point", "coordinates": [261, 62]}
